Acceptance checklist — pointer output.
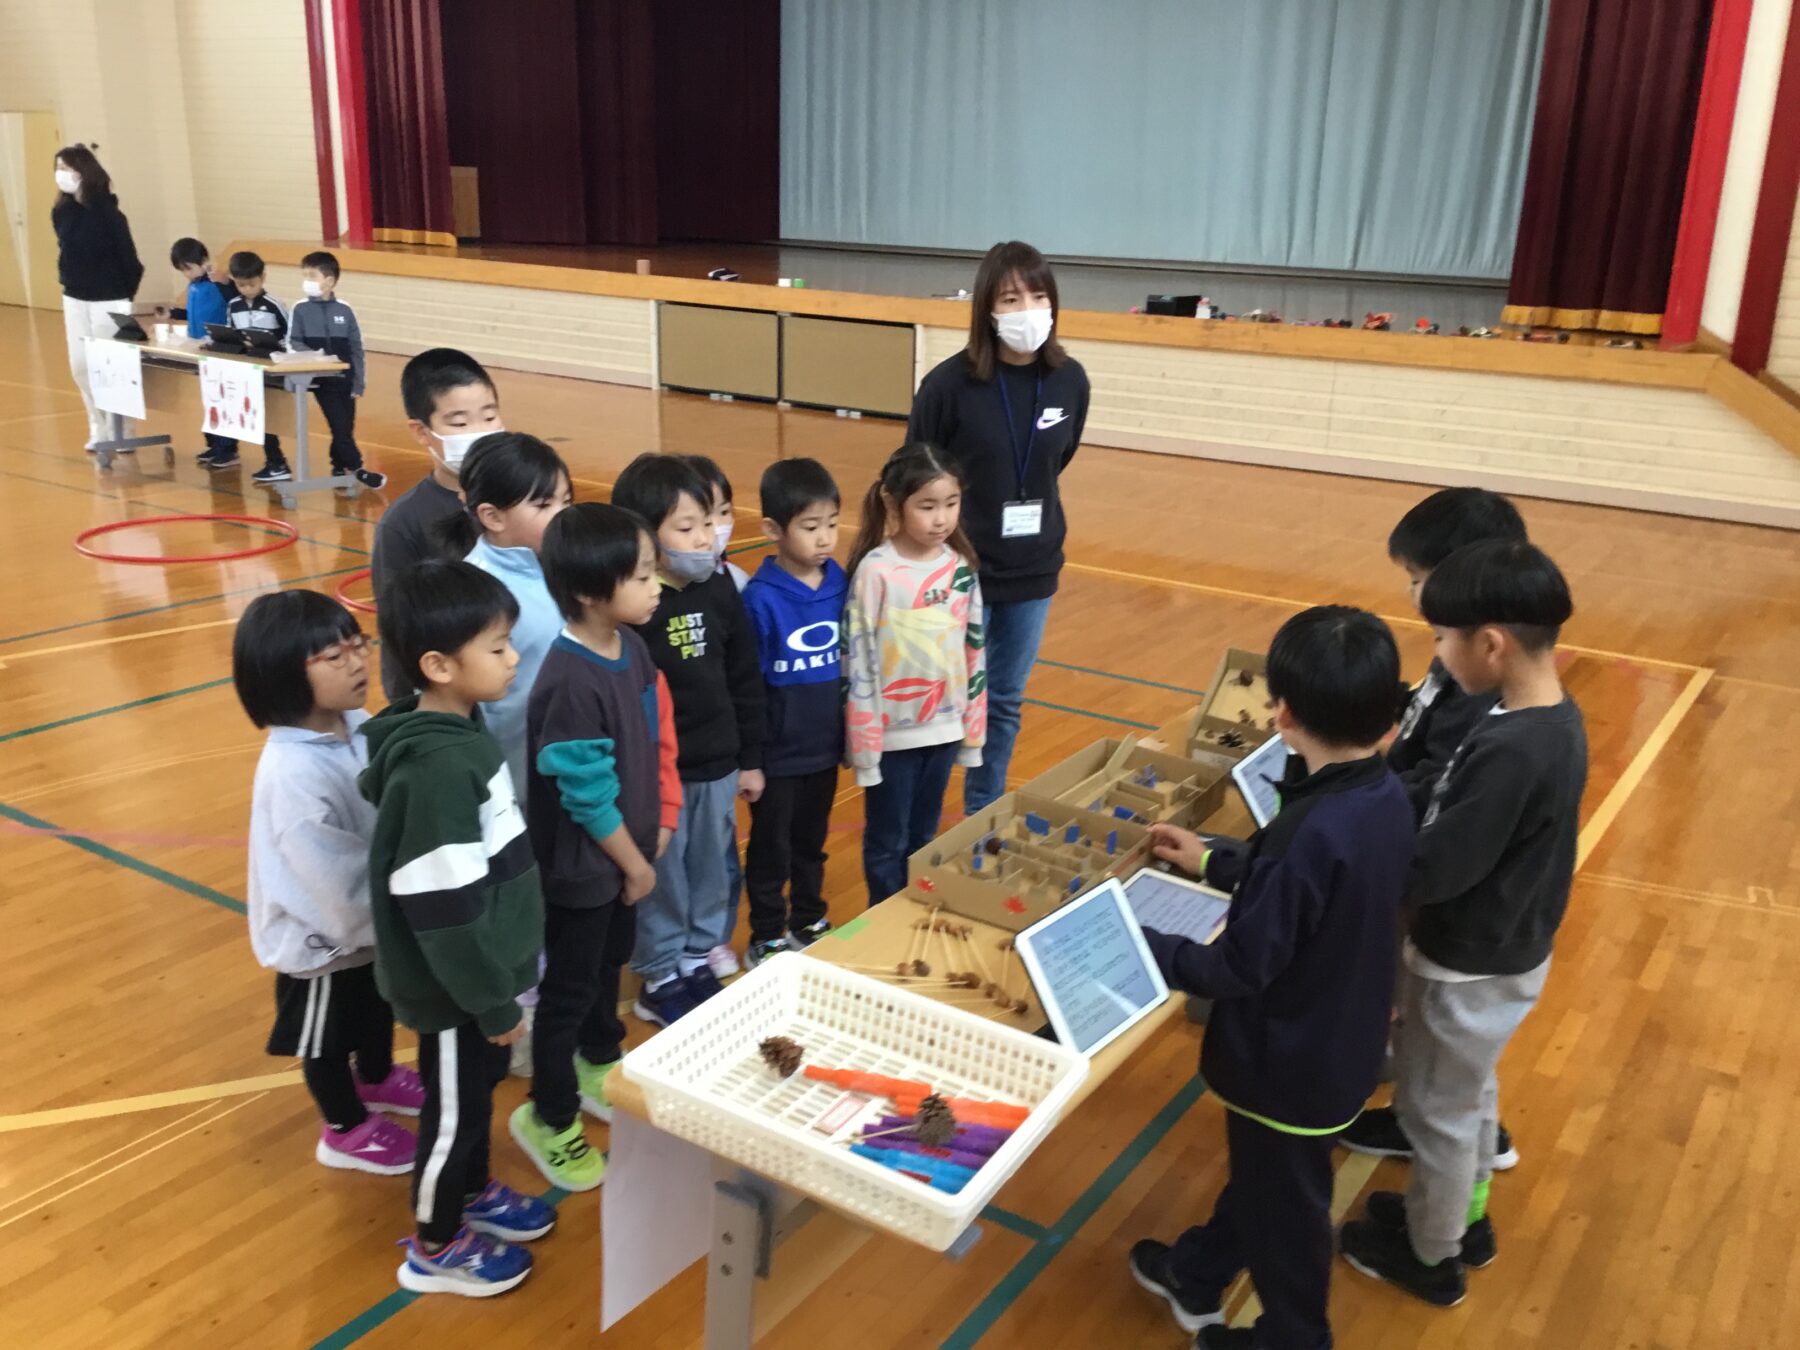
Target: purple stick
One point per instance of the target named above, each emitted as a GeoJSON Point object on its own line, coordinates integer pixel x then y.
{"type": "Point", "coordinates": [972, 1138]}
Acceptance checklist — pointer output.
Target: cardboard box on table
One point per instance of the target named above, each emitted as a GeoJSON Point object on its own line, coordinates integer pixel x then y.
{"type": "Point", "coordinates": [1234, 718]}
{"type": "Point", "coordinates": [1105, 776]}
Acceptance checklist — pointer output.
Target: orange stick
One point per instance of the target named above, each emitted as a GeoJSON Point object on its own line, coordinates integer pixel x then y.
{"type": "Point", "coordinates": [1003, 1114]}
{"type": "Point", "coordinates": [854, 1080]}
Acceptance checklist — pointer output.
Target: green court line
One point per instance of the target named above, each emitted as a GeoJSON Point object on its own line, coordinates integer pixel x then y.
{"type": "Point", "coordinates": [1018, 1223]}
{"type": "Point", "coordinates": [1088, 712]}
{"type": "Point", "coordinates": [377, 1313]}
{"type": "Point", "coordinates": [125, 860]}
{"type": "Point", "coordinates": [116, 708]}
{"type": "Point", "coordinates": [1029, 1266]}
{"type": "Point", "coordinates": [1129, 679]}
{"type": "Point", "coordinates": [177, 604]}
{"type": "Point", "coordinates": [749, 548]}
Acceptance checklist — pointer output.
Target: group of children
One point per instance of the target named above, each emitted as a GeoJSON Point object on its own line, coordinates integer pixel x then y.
{"type": "Point", "coordinates": [1396, 918]}
{"type": "Point", "coordinates": [319, 322]}
{"type": "Point", "coordinates": [578, 696]}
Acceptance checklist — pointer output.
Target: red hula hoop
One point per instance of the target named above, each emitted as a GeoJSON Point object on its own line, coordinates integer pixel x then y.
{"type": "Point", "coordinates": [348, 602]}
{"type": "Point", "coordinates": [288, 532]}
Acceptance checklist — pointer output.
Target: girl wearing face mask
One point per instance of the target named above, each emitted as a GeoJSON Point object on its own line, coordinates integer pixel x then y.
{"type": "Point", "coordinates": [97, 264]}
{"type": "Point", "coordinates": [1009, 409]}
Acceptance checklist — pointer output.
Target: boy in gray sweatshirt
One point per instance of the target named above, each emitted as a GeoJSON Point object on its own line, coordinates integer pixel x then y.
{"type": "Point", "coordinates": [322, 323]}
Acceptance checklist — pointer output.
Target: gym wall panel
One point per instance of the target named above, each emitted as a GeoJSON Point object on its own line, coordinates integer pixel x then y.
{"type": "Point", "coordinates": [1784, 346]}
{"type": "Point", "coordinates": [1674, 450]}
{"type": "Point", "coordinates": [591, 337]}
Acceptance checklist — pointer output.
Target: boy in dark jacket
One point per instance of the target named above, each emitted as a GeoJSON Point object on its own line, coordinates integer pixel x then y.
{"type": "Point", "coordinates": [701, 640]}
{"type": "Point", "coordinates": [1490, 881]}
{"type": "Point", "coordinates": [254, 308]}
{"type": "Point", "coordinates": [459, 919]}
{"type": "Point", "coordinates": [796, 605]}
{"type": "Point", "coordinates": [323, 323]}
{"type": "Point", "coordinates": [603, 801]}
{"type": "Point", "coordinates": [1301, 977]}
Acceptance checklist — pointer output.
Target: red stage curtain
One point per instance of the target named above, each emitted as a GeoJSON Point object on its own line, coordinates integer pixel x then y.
{"type": "Point", "coordinates": [1609, 149]}
{"type": "Point", "coordinates": [618, 117]}
{"type": "Point", "coordinates": [409, 150]}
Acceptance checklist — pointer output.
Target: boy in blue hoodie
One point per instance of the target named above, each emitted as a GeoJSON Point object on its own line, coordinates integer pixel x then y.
{"type": "Point", "coordinates": [796, 602]}
{"type": "Point", "coordinates": [206, 302]}
{"type": "Point", "coordinates": [1301, 980]}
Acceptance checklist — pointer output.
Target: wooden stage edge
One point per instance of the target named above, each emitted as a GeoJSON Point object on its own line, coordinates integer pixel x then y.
{"type": "Point", "coordinates": [1656, 369]}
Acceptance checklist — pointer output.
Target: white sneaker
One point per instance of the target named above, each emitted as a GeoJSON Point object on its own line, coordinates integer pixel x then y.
{"type": "Point", "coordinates": [722, 961]}
{"type": "Point", "coordinates": [520, 1064]}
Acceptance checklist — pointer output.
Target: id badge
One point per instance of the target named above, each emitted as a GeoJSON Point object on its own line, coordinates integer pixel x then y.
{"type": "Point", "coordinates": [1020, 520]}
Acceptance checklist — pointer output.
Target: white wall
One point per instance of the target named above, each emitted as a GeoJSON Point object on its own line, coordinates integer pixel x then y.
{"type": "Point", "coordinates": [1744, 165]}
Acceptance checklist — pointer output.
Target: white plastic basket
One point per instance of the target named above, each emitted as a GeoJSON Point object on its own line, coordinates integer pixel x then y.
{"type": "Point", "coordinates": [705, 1081]}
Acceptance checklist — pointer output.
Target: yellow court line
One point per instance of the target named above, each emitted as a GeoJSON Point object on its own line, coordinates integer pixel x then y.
{"type": "Point", "coordinates": [111, 641]}
{"type": "Point", "coordinates": [131, 1161]}
{"type": "Point", "coordinates": [37, 417]}
{"type": "Point", "coordinates": [1614, 802]}
{"type": "Point", "coordinates": [95, 1162]}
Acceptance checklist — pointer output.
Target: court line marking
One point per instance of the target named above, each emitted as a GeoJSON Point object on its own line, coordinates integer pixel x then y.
{"type": "Point", "coordinates": [143, 702]}
{"type": "Point", "coordinates": [1614, 801]}
{"type": "Point", "coordinates": [110, 854]}
{"type": "Point", "coordinates": [1748, 900]}
{"type": "Point", "coordinates": [38, 417]}
{"type": "Point", "coordinates": [112, 641]}
{"type": "Point", "coordinates": [94, 1162]}
{"type": "Point", "coordinates": [211, 1119]}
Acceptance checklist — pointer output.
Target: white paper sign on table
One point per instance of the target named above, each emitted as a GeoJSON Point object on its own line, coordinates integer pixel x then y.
{"type": "Point", "coordinates": [655, 1213]}
{"type": "Point", "coordinates": [116, 376]}
{"type": "Point", "coordinates": [231, 399]}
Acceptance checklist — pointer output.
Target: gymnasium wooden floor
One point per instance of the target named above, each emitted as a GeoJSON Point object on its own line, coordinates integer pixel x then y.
{"type": "Point", "coordinates": [156, 1181]}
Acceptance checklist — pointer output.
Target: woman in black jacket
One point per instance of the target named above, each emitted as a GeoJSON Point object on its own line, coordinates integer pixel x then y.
{"type": "Point", "coordinates": [96, 263]}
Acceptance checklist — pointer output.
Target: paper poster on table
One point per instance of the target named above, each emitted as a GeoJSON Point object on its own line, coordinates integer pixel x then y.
{"type": "Point", "coordinates": [231, 399]}
{"type": "Point", "coordinates": [116, 376]}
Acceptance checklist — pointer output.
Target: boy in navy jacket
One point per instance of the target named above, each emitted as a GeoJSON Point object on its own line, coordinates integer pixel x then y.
{"type": "Point", "coordinates": [796, 603]}
{"type": "Point", "coordinates": [1301, 978]}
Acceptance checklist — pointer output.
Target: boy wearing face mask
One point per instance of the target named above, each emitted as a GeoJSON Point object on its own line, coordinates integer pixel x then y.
{"type": "Point", "coordinates": [701, 639]}
{"type": "Point", "coordinates": [322, 323]}
{"type": "Point", "coordinates": [450, 404]}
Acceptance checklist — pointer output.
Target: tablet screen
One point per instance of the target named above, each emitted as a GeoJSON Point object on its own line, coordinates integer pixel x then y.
{"type": "Point", "coordinates": [1256, 776]}
{"type": "Point", "coordinates": [1091, 968]}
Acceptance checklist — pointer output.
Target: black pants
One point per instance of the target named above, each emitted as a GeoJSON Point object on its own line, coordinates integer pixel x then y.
{"type": "Point", "coordinates": [1273, 1216]}
{"type": "Point", "coordinates": [788, 824]}
{"type": "Point", "coordinates": [339, 408]}
{"type": "Point", "coordinates": [578, 1002]}
{"type": "Point", "coordinates": [324, 1020]}
{"type": "Point", "coordinates": [460, 1068]}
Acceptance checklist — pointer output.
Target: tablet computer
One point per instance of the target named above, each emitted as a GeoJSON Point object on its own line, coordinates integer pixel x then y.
{"type": "Point", "coordinates": [225, 337]}
{"type": "Point", "coordinates": [1258, 776]}
{"type": "Point", "coordinates": [130, 330]}
{"type": "Point", "coordinates": [1092, 969]}
{"type": "Point", "coordinates": [1172, 904]}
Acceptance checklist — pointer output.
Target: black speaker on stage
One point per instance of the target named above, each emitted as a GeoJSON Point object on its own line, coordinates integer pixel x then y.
{"type": "Point", "coordinates": [1182, 306]}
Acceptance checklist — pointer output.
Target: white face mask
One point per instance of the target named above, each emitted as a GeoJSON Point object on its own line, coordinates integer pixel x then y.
{"type": "Point", "coordinates": [67, 180]}
{"type": "Point", "coordinates": [312, 290]}
{"type": "Point", "coordinates": [457, 444]}
{"type": "Point", "coordinates": [1024, 330]}
{"type": "Point", "coordinates": [721, 538]}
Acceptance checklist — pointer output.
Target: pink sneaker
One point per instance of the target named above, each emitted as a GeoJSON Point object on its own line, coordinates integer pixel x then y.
{"type": "Point", "coordinates": [377, 1145]}
{"type": "Point", "coordinates": [400, 1092]}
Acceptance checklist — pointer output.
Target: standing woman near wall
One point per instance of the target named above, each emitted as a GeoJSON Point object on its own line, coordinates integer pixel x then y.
{"type": "Point", "coordinates": [1010, 407]}
{"type": "Point", "coordinates": [96, 263]}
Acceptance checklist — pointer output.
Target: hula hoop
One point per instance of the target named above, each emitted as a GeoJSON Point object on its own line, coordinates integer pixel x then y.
{"type": "Point", "coordinates": [349, 602]}
{"type": "Point", "coordinates": [288, 535]}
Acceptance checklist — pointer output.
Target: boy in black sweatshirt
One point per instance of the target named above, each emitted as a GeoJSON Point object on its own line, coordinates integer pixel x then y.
{"type": "Point", "coordinates": [1301, 977]}
{"type": "Point", "coordinates": [1490, 881]}
{"type": "Point", "coordinates": [701, 640]}
{"type": "Point", "coordinates": [253, 307]}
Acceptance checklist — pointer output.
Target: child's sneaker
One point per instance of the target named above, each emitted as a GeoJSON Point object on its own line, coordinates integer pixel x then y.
{"type": "Point", "coordinates": [665, 1003]}
{"type": "Point", "coordinates": [1387, 1254]}
{"type": "Point", "coordinates": [369, 478]}
{"type": "Point", "coordinates": [722, 962]}
{"type": "Point", "coordinates": [377, 1145]}
{"type": "Point", "coordinates": [1193, 1309]}
{"type": "Point", "coordinates": [1379, 1134]}
{"type": "Point", "coordinates": [802, 938]}
{"type": "Point", "coordinates": [702, 985]}
{"type": "Point", "coordinates": [227, 459]}
{"type": "Point", "coordinates": [208, 455]}
{"type": "Point", "coordinates": [272, 473]}
{"type": "Point", "coordinates": [592, 1080]}
{"type": "Point", "coordinates": [564, 1156]}
{"type": "Point", "coordinates": [1479, 1244]}
{"type": "Point", "coordinates": [761, 951]}
{"type": "Point", "coordinates": [472, 1264]}
{"type": "Point", "coordinates": [400, 1092]}
{"type": "Point", "coordinates": [500, 1211]}
{"type": "Point", "coordinates": [519, 1063]}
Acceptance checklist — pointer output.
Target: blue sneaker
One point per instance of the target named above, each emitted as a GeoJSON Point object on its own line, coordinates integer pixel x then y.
{"type": "Point", "coordinates": [500, 1211]}
{"type": "Point", "coordinates": [473, 1265]}
{"type": "Point", "coordinates": [702, 985]}
{"type": "Point", "coordinates": [665, 1003]}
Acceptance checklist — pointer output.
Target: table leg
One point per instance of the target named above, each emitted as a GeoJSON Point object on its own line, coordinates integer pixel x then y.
{"type": "Point", "coordinates": [752, 1216]}
{"type": "Point", "coordinates": [103, 451]}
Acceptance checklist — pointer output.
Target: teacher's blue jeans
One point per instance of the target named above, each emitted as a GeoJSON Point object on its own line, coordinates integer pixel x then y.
{"type": "Point", "coordinates": [1013, 631]}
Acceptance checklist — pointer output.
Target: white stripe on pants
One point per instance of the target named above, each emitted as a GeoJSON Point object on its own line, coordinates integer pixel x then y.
{"type": "Point", "coordinates": [312, 1023]}
{"type": "Point", "coordinates": [446, 1125]}
{"type": "Point", "coordinates": [85, 319]}
{"type": "Point", "coordinates": [1447, 1093]}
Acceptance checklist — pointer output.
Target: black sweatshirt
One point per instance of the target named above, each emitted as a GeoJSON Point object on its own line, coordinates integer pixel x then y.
{"type": "Point", "coordinates": [1496, 853]}
{"type": "Point", "coordinates": [967, 418]}
{"type": "Point", "coordinates": [1303, 975]}
{"type": "Point", "coordinates": [1438, 716]}
{"type": "Point", "coordinates": [405, 536]}
{"type": "Point", "coordinates": [701, 640]}
{"type": "Point", "coordinates": [96, 259]}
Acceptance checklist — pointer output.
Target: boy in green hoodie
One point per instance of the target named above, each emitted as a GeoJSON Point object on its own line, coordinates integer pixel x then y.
{"type": "Point", "coordinates": [459, 918]}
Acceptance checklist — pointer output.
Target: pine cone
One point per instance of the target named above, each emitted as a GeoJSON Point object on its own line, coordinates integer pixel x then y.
{"type": "Point", "coordinates": [782, 1054]}
{"type": "Point", "coordinates": [936, 1122]}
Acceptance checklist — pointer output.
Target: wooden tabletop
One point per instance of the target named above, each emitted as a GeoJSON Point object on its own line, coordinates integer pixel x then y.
{"type": "Point", "coordinates": [193, 355]}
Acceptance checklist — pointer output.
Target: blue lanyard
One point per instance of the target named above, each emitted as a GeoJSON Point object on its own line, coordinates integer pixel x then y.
{"type": "Point", "coordinates": [1021, 462]}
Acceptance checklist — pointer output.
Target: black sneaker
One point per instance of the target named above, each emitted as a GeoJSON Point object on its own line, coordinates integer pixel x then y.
{"type": "Point", "coordinates": [802, 938]}
{"type": "Point", "coordinates": [1506, 1157]}
{"type": "Point", "coordinates": [272, 473]}
{"type": "Point", "coordinates": [701, 985]}
{"type": "Point", "coordinates": [761, 951]}
{"type": "Point", "coordinates": [208, 455]}
{"type": "Point", "coordinates": [1149, 1262]}
{"type": "Point", "coordinates": [1226, 1338]}
{"type": "Point", "coordinates": [228, 460]}
{"type": "Point", "coordinates": [1377, 1133]}
{"type": "Point", "coordinates": [1387, 1254]}
{"type": "Point", "coordinates": [369, 478]}
{"type": "Point", "coordinates": [1479, 1245]}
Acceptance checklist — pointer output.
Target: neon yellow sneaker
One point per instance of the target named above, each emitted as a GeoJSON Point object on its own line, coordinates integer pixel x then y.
{"type": "Point", "coordinates": [591, 1078]}
{"type": "Point", "coordinates": [564, 1157]}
